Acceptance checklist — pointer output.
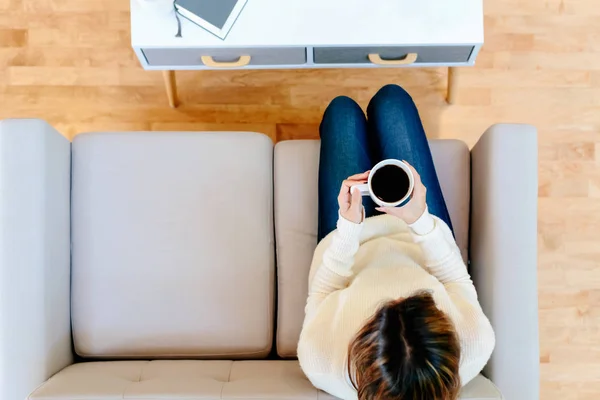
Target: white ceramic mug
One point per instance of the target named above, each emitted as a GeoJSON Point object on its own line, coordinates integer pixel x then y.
{"type": "Point", "coordinates": [367, 190]}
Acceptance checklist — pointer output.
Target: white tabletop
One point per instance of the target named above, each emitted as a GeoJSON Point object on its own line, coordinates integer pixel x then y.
{"type": "Point", "coordinates": [323, 23]}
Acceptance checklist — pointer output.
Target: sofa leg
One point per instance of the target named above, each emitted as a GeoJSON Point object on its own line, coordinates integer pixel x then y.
{"type": "Point", "coordinates": [171, 86]}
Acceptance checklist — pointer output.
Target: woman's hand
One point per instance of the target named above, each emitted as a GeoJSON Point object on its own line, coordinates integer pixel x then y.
{"type": "Point", "coordinates": [411, 211]}
{"type": "Point", "coordinates": [350, 200]}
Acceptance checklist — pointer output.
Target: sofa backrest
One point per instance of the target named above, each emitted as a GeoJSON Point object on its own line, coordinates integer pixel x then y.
{"type": "Point", "coordinates": [296, 186]}
{"type": "Point", "coordinates": [172, 245]}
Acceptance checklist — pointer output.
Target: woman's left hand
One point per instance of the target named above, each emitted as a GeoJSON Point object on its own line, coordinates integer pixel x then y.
{"type": "Point", "coordinates": [350, 198]}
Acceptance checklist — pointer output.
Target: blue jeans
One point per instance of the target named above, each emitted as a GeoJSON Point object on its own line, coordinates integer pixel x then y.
{"type": "Point", "coordinates": [351, 144]}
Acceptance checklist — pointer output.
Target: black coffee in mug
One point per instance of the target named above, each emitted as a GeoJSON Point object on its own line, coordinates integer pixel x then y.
{"type": "Point", "coordinates": [390, 183]}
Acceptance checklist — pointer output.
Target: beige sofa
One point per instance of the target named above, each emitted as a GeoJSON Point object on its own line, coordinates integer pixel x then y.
{"type": "Point", "coordinates": [174, 265]}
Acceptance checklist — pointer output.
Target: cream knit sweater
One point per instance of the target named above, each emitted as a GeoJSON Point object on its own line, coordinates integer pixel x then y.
{"type": "Point", "coordinates": [358, 267]}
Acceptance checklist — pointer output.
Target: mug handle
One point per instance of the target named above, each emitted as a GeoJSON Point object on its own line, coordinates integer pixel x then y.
{"type": "Point", "coordinates": [364, 189]}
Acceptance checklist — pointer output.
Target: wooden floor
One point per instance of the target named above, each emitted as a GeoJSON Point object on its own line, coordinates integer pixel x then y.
{"type": "Point", "coordinates": [69, 62]}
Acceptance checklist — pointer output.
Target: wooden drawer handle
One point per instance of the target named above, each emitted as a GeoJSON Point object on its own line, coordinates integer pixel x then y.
{"type": "Point", "coordinates": [409, 59]}
{"type": "Point", "coordinates": [241, 62]}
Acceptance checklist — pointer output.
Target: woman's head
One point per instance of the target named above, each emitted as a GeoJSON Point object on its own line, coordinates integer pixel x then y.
{"type": "Point", "coordinates": [408, 350]}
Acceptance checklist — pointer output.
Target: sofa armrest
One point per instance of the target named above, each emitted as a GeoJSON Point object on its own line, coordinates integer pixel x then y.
{"type": "Point", "coordinates": [35, 322]}
{"type": "Point", "coordinates": [503, 250]}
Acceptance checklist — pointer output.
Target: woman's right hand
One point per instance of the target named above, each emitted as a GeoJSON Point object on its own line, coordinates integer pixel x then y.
{"type": "Point", "coordinates": [350, 198]}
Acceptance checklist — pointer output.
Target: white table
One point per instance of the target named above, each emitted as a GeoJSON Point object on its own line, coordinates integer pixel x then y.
{"type": "Point", "coordinates": [272, 34]}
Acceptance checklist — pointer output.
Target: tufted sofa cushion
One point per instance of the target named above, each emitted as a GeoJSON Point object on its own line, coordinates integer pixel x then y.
{"type": "Point", "coordinates": [178, 380]}
{"type": "Point", "coordinates": [182, 379]}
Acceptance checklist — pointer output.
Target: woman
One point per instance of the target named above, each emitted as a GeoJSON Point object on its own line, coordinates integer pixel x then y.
{"type": "Point", "coordinates": [392, 312]}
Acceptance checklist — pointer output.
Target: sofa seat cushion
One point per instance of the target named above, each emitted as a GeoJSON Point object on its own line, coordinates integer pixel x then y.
{"type": "Point", "coordinates": [175, 380]}
{"type": "Point", "coordinates": [172, 245]}
{"type": "Point", "coordinates": [296, 212]}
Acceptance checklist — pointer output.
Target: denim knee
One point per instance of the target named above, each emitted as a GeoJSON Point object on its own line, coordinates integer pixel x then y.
{"type": "Point", "coordinates": [392, 95]}
{"type": "Point", "coordinates": [343, 111]}
{"type": "Point", "coordinates": [343, 105]}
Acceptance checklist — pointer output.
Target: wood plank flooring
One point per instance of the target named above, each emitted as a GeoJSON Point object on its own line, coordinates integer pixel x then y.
{"type": "Point", "coordinates": [69, 62]}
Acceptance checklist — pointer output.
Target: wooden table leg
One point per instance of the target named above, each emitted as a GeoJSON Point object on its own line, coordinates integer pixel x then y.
{"type": "Point", "coordinates": [171, 86]}
{"type": "Point", "coordinates": [452, 85]}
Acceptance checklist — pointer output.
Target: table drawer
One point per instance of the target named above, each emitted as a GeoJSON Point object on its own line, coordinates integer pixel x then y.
{"type": "Point", "coordinates": [392, 55]}
{"type": "Point", "coordinates": [226, 58]}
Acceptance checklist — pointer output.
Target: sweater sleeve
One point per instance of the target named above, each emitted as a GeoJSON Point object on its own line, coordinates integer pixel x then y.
{"type": "Point", "coordinates": [443, 260]}
{"type": "Point", "coordinates": [441, 254]}
{"type": "Point", "coordinates": [335, 269]}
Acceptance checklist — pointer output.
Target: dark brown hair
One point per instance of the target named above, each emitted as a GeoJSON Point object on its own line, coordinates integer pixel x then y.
{"type": "Point", "coordinates": [408, 350]}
